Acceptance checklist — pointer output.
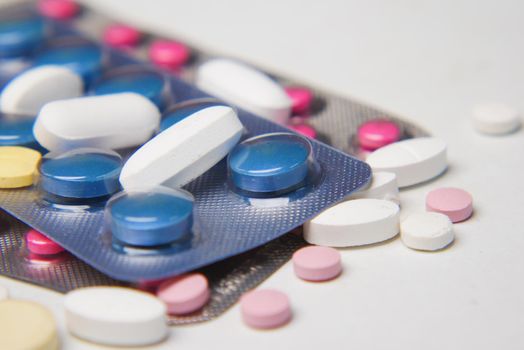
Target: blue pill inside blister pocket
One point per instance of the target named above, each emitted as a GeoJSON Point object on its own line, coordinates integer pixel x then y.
{"type": "Point", "coordinates": [81, 173]}
{"type": "Point", "coordinates": [271, 163]}
{"type": "Point", "coordinates": [183, 110]}
{"type": "Point", "coordinates": [17, 131]}
{"type": "Point", "coordinates": [19, 37]}
{"type": "Point", "coordinates": [150, 217]}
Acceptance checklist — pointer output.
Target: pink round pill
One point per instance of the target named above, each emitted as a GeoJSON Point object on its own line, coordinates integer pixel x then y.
{"type": "Point", "coordinates": [301, 99]}
{"type": "Point", "coordinates": [316, 263]}
{"type": "Point", "coordinates": [184, 294]}
{"type": "Point", "coordinates": [121, 36]}
{"type": "Point", "coordinates": [168, 54]}
{"type": "Point", "coordinates": [304, 129]}
{"type": "Point", "coordinates": [39, 244]}
{"type": "Point", "coordinates": [265, 308]}
{"type": "Point", "coordinates": [457, 204]}
{"type": "Point", "coordinates": [377, 133]}
{"type": "Point", "coordinates": [58, 9]}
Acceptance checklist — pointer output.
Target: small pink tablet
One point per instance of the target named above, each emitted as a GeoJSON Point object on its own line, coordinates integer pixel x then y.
{"type": "Point", "coordinates": [168, 54]}
{"type": "Point", "coordinates": [184, 294]}
{"type": "Point", "coordinates": [265, 308]}
{"type": "Point", "coordinates": [39, 244]}
{"type": "Point", "coordinates": [304, 129]}
{"type": "Point", "coordinates": [121, 36]}
{"type": "Point", "coordinates": [316, 263]}
{"type": "Point", "coordinates": [58, 9]}
{"type": "Point", "coordinates": [301, 99]}
{"type": "Point", "coordinates": [457, 204]}
{"type": "Point", "coordinates": [377, 133]}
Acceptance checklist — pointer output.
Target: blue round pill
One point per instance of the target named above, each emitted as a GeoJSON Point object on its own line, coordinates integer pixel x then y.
{"type": "Point", "coordinates": [81, 173]}
{"type": "Point", "coordinates": [185, 109]}
{"type": "Point", "coordinates": [17, 131]}
{"type": "Point", "coordinates": [19, 37]}
{"type": "Point", "coordinates": [150, 217]}
{"type": "Point", "coordinates": [270, 163]}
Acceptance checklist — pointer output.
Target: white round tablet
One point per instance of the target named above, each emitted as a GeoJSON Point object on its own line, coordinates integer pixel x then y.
{"type": "Point", "coordinates": [495, 119]}
{"type": "Point", "coordinates": [115, 316]}
{"type": "Point", "coordinates": [108, 122]}
{"type": "Point", "coordinates": [354, 223]}
{"type": "Point", "coordinates": [426, 231]}
{"type": "Point", "coordinates": [30, 91]}
{"type": "Point", "coordinates": [413, 161]}
{"type": "Point", "coordinates": [185, 150]}
{"type": "Point", "coordinates": [383, 186]}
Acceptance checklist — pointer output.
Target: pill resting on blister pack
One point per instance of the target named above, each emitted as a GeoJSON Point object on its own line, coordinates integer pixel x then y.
{"type": "Point", "coordinates": [109, 122]}
{"type": "Point", "coordinates": [377, 133]}
{"type": "Point", "coordinates": [20, 36]}
{"type": "Point", "coordinates": [39, 244]}
{"type": "Point", "coordinates": [245, 87]}
{"type": "Point", "coordinates": [426, 231]}
{"type": "Point", "coordinates": [185, 150]}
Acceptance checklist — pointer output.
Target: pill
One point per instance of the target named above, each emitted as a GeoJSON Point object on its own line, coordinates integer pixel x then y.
{"type": "Point", "coordinates": [354, 223]}
{"type": "Point", "coordinates": [184, 151]}
{"type": "Point", "coordinates": [315, 263]}
{"type": "Point", "coordinates": [377, 133]}
{"type": "Point", "coordinates": [18, 166]}
{"type": "Point", "coordinates": [383, 186]}
{"type": "Point", "coordinates": [27, 325]}
{"type": "Point", "coordinates": [58, 9]}
{"type": "Point", "coordinates": [168, 54]}
{"type": "Point", "coordinates": [150, 217]}
{"type": "Point", "coordinates": [426, 231]}
{"type": "Point", "coordinates": [413, 161]}
{"type": "Point", "coordinates": [265, 308]}
{"type": "Point", "coordinates": [4, 293]}
{"type": "Point", "coordinates": [304, 129]}
{"type": "Point", "coordinates": [135, 79]}
{"type": "Point", "coordinates": [39, 244]}
{"type": "Point", "coordinates": [301, 99]}
{"type": "Point", "coordinates": [495, 119]}
{"type": "Point", "coordinates": [81, 173]}
{"type": "Point", "coordinates": [107, 122]}
{"type": "Point", "coordinates": [20, 36]}
{"type": "Point", "coordinates": [184, 294]}
{"type": "Point", "coordinates": [115, 316]}
{"type": "Point", "coordinates": [17, 131]}
{"type": "Point", "coordinates": [28, 92]}
{"type": "Point", "coordinates": [456, 203]}
{"type": "Point", "coordinates": [183, 110]}
{"type": "Point", "coordinates": [121, 36]}
{"type": "Point", "coordinates": [245, 87]}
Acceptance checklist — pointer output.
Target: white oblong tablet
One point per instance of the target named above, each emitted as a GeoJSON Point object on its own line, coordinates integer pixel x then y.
{"type": "Point", "coordinates": [354, 223]}
{"type": "Point", "coordinates": [383, 186]}
{"type": "Point", "coordinates": [185, 150]}
{"type": "Point", "coordinates": [413, 161]}
{"type": "Point", "coordinates": [109, 122]}
{"type": "Point", "coordinates": [30, 91]}
{"type": "Point", "coordinates": [115, 316]}
{"type": "Point", "coordinates": [245, 87]}
{"type": "Point", "coordinates": [426, 231]}
{"type": "Point", "coordinates": [495, 119]}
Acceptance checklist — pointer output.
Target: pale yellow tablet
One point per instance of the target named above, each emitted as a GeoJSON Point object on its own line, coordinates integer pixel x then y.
{"type": "Point", "coordinates": [18, 166]}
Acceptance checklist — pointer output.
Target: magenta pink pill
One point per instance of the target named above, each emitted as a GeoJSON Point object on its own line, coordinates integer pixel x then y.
{"type": "Point", "coordinates": [121, 36]}
{"type": "Point", "coordinates": [39, 244]}
{"type": "Point", "coordinates": [377, 133]}
{"type": "Point", "coordinates": [301, 99]}
{"type": "Point", "coordinates": [58, 9]}
{"type": "Point", "coordinates": [457, 204]}
{"type": "Point", "coordinates": [184, 294]}
{"type": "Point", "coordinates": [304, 129]}
{"type": "Point", "coordinates": [316, 263]}
{"type": "Point", "coordinates": [265, 308]}
{"type": "Point", "coordinates": [168, 54]}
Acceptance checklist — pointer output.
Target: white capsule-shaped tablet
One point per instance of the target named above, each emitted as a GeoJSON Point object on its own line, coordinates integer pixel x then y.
{"type": "Point", "coordinates": [426, 231]}
{"type": "Point", "coordinates": [108, 122]}
{"type": "Point", "coordinates": [383, 186]}
{"type": "Point", "coordinates": [30, 91]}
{"type": "Point", "coordinates": [245, 87]}
{"type": "Point", "coordinates": [413, 161]}
{"type": "Point", "coordinates": [115, 316]}
{"type": "Point", "coordinates": [185, 150]}
{"type": "Point", "coordinates": [495, 119]}
{"type": "Point", "coordinates": [354, 223]}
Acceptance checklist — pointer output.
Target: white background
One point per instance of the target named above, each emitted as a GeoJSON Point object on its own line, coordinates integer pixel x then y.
{"type": "Point", "coordinates": [430, 62]}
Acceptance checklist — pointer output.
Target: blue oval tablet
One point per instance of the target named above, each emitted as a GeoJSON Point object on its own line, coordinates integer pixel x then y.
{"type": "Point", "coordinates": [268, 163]}
{"type": "Point", "coordinates": [81, 173]}
{"type": "Point", "coordinates": [17, 132]}
{"type": "Point", "coordinates": [19, 37]}
{"type": "Point", "coordinates": [150, 218]}
{"type": "Point", "coordinates": [184, 110]}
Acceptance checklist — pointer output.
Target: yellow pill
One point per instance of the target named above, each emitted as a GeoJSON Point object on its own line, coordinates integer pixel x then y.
{"type": "Point", "coordinates": [18, 166]}
{"type": "Point", "coordinates": [27, 325]}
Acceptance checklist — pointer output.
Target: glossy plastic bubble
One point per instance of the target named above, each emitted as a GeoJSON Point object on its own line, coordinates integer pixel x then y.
{"type": "Point", "coordinates": [20, 35]}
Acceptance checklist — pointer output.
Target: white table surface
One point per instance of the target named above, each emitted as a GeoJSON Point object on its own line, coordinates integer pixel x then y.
{"type": "Point", "coordinates": [429, 61]}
